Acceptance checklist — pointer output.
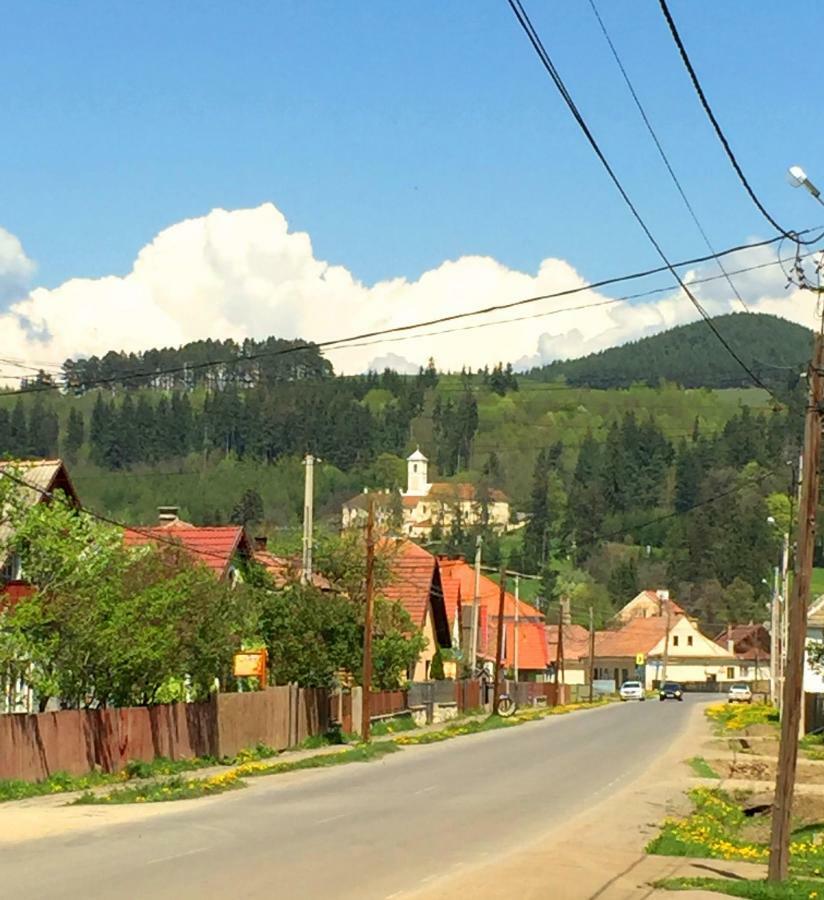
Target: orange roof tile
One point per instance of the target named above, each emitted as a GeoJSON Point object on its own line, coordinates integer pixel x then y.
{"type": "Point", "coordinates": [451, 597]}
{"type": "Point", "coordinates": [637, 636]}
{"type": "Point", "coordinates": [460, 570]}
{"type": "Point", "coordinates": [576, 641]}
{"type": "Point", "coordinates": [214, 547]}
{"type": "Point", "coordinates": [411, 571]}
{"type": "Point", "coordinates": [462, 490]}
{"type": "Point", "coordinates": [532, 646]}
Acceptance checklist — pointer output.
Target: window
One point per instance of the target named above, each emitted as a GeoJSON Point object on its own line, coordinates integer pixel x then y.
{"type": "Point", "coordinates": [730, 671]}
{"type": "Point", "coordinates": [415, 467]}
{"type": "Point", "coordinates": [11, 569]}
{"type": "Point", "coordinates": [675, 640]}
{"type": "Point", "coordinates": [689, 640]}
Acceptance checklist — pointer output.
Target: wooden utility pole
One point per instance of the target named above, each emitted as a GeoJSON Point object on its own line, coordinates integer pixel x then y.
{"type": "Point", "coordinates": [476, 602]}
{"type": "Point", "coordinates": [366, 681]}
{"type": "Point", "coordinates": [796, 612]}
{"type": "Point", "coordinates": [591, 653]}
{"type": "Point", "coordinates": [499, 647]}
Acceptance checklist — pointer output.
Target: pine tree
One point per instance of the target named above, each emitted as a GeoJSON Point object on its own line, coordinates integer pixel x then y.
{"type": "Point", "coordinates": [19, 430]}
{"type": "Point", "coordinates": [5, 437]}
{"type": "Point", "coordinates": [75, 433]}
{"type": "Point", "coordinates": [248, 509]}
{"type": "Point", "coordinates": [536, 533]}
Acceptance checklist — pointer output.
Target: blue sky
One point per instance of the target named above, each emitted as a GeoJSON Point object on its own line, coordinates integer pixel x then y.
{"type": "Point", "coordinates": [397, 134]}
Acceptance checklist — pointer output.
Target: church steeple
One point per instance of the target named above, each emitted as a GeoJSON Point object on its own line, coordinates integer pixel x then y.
{"type": "Point", "coordinates": [417, 483]}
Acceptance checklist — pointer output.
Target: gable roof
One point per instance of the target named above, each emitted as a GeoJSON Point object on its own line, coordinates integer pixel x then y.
{"type": "Point", "coordinates": [639, 635]}
{"type": "Point", "coordinates": [576, 642]}
{"type": "Point", "coordinates": [489, 590]}
{"type": "Point", "coordinates": [645, 599]}
{"type": "Point", "coordinates": [43, 476]}
{"type": "Point", "coordinates": [532, 646]}
{"type": "Point", "coordinates": [214, 547]}
{"type": "Point", "coordinates": [415, 583]}
{"type": "Point", "coordinates": [462, 490]}
{"type": "Point", "coordinates": [283, 570]}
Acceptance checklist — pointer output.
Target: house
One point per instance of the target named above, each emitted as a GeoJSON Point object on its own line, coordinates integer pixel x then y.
{"type": "Point", "coordinates": [43, 477]}
{"type": "Point", "coordinates": [576, 648]}
{"type": "Point", "coordinates": [751, 646]}
{"type": "Point", "coordinates": [813, 676]}
{"type": "Point", "coordinates": [637, 649]}
{"type": "Point", "coordinates": [424, 506]}
{"type": "Point", "coordinates": [219, 548]}
{"type": "Point", "coordinates": [415, 583]}
{"type": "Point", "coordinates": [649, 604]}
{"type": "Point", "coordinates": [525, 645]}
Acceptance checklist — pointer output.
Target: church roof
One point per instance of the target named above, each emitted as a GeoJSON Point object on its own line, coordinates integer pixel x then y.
{"type": "Point", "coordinates": [417, 456]}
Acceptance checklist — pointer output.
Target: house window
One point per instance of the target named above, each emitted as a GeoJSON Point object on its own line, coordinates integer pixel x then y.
{"type": "Point", "coordinates": [675, 640]}
{"type": "Point", "coordinates": [11, 569]}
{"type": "Point", "coordinates": [415, 468]}
{"type": "Point", "coordinates": [731, 672]}
{"type": "Point", "coordinates": [689, 640]}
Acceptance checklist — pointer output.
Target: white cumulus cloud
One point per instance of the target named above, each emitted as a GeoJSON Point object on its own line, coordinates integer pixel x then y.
{"type": "Point", "coordinates": [242, 273]}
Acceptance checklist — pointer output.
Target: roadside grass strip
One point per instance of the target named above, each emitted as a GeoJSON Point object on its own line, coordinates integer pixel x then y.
{"type": "Point", "coordinates": [755, 890]}
{"type": "Point", "coordinates": [395, 725]}
{"type": "Point", "coordinates": [492, 723]}
{"type": "Point", "coordinates": [63, 783]}
{"type": "Point", "coordinates": [718, 828]}
{"type": "Point", "coordinates": [740, 716]}
{"type": "Point", "coordinates": [189, 789]}
{"type": "Point", "coordinates": [702, 768]}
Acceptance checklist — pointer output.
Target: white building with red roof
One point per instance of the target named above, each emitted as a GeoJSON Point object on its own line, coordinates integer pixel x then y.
{"type": "Point", "coordinates": [424, 505]}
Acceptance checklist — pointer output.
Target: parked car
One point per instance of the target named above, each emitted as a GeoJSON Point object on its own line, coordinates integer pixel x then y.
{"type": "Point", "coordinates": [739, 693]}
{"type": "Point", "coordinates": [632, 690]}
{"type": "Point", "coordinates": [670, 690]}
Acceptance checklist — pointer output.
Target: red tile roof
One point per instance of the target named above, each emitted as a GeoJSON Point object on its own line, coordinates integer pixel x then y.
{"type": "Point", "coordinates": [576, 642]}
{"type": "Point", "coordinates": [214, 547]}
{"type": "Point", "coordinates": [13, 592]}
{"type": "Point", "coordinates": [637, 636]}
{"type": "Point", "coordinates": [451, 597]}
{"type": "Point", "coordinates": [283, 570]}
{"type": "Point", "coordinates": [411, 571]}
{"type": "Point", "coordinates": [462, 490]}
{"type": "Point", "coordinates": [652, 596]}
{"type": "Point", "coordinates": [459, 570]}
{"type": "Point", "coordinates": [532, 646]}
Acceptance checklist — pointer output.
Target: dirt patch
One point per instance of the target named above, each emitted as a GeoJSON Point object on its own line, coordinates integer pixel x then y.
{"type": "Point", "coordinates": [744, 769]}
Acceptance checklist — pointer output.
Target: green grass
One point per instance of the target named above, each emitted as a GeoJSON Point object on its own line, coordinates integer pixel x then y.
{"type": "Point", "coordinates": [817, 584]}
{"type": "Point", "coordinates": [701, 767]}
{"type": "Point", "coordinates": [755, 890]}
{"type": "Point", "coordinates": [361, 753]}
{"type": "Point", "coordinates": [393, 726]}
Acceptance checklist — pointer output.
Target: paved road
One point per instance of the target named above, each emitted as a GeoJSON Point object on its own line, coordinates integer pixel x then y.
{"type": "Point", "coordinates": [358, 831]}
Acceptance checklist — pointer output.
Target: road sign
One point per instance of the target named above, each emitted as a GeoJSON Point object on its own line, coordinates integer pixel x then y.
{"type": "Point", "coordinates": [640, 659]}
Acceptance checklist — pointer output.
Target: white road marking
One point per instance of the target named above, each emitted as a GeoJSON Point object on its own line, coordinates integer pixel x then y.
{"type": "Point", "coordinates": [330, 819]}
{"type": "Point", "coordinates": [161, 859]}
{"type": "Point", "coordinates": [425, 790]}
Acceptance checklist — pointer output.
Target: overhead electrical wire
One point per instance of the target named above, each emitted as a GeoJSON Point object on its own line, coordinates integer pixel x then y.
{"type": "Point", "coordinates": [675, 180]}
{"type": "Point", "coordinates": [546, 61]}
{"type": "Point", "coordinates": [682, 50]}
{"type": "Point", "coordinates": [360, 340]}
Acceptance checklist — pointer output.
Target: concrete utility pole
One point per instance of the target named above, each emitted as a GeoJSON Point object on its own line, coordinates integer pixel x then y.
{"type": "Point", "coordinates": [783, 612]}
{"type": "Point", "coordinates": [591, 653]}
{"type": "Point", "coordinates": [476, 600]}
{"type": "Point", "coordinates": [775, 618]}
{"type": "Point", "coordinates": [517, 615]}
{"type": "Point", "coordinates": [308, 530]}
{"type": "Point", "coordinates": [666, 641]}
{"type": "Point", "coordinates": [796, 614]}
{"type": "Point", "coordinates": [367, 621]}
{"type": "Point", "coordinates": [499, 647]}
{"type": "Point", "coordinates": [559, 672]}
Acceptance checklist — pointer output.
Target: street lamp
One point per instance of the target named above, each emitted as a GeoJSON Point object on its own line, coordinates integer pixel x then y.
{"type": "Point", "coordinates": [798, 178]}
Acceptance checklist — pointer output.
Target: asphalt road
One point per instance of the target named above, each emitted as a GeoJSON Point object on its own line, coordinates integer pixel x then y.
{"type": "Point", "coordinates": [358, 831]}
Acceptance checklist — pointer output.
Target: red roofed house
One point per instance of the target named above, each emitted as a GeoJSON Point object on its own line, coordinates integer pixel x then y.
{"type": "Point", "coordinates": [529, 645]}
{"type": "Point", "coordinates": [636, 651]}
{"type": "Point", "coordinates": [424, 505]}
{"type": "Point", "coordinates": [42, 477]}
{"type": "Point", "coordinates": [649, 604]}
{"type": "Point", "coordinates": [751, 646]}
{"type": "Point", "coordinates": [219, 548]}
{"type": "Point", "coordinates": [415, 583]}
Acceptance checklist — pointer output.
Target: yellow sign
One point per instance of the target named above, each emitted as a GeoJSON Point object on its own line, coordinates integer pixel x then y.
{"type": "Point", "coordinates": [250, 664]}
{"type": "Point", "coordinates": [640, 659]}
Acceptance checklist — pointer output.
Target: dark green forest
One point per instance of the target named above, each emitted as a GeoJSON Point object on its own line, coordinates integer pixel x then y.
{"type": "Point", "coordinates": [653, 464]}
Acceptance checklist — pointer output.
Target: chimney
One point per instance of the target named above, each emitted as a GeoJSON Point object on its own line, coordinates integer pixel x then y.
{"type": "Point", "coordinates": [260, 542]}
{"type": "Point", "coordinates": [167, 514]}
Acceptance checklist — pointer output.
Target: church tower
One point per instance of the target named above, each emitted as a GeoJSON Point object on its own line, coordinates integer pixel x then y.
{"type": "Point", "coordinates": [417, 484]}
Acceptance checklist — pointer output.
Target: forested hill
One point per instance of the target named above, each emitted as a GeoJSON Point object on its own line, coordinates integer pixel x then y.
{"type": "Point", "coordinates": [692, 356]}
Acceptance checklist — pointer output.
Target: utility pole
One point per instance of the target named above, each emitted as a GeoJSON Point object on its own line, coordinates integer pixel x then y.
{"type": "Point", "coordinates": [796, 616]}
{"type": "Point", "coordinates": [476, 600]}
{"type": "Point", "coordinates": [367, 621]}
{"type": "Point", "coordinates": [559, 671]}
{"type": "Point", "coordinates": [308, 504]}
{"type": "Point", "coordinates": [775, 617]}
{"type": "Point", "coordinates": [499, 647]}
{"type": "Point", "coordinates": [591, 653]}
{"type": "Point", "coordinates": [517, 615]}
{"type": "Point", "coordinates": [666, 641]}
{"type": "Point", "coordinates": [783, 616]}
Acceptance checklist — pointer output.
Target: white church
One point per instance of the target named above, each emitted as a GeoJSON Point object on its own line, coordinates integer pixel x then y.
{"type": "Point", "coordinates": [423, 506]}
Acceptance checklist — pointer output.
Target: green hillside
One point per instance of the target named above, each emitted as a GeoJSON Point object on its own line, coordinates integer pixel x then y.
{"type": "Point", "coordinates": [692, 356]}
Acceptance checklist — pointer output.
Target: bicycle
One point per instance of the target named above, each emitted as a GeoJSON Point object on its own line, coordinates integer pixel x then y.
{"type": "Point", "coordinates": [506, 706]}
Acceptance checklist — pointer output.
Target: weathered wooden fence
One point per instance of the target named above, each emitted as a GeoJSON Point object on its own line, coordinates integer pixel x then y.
{"type": "Point", "coordinates": [468, 695]}
{"type": "Point", "coordinates": [32, 747]}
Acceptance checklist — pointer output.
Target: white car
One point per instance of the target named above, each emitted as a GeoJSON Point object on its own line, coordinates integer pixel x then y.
{"type": "Point", "coordinates": [739, 693]}
{"type": "Point", "coordinates": [632, 690]}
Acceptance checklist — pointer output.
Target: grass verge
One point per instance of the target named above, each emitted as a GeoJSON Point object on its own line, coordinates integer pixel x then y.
{"type": "Point", "coordinates": [701, 767]}
{"type": "Point", "coordinates": [755, 890]}
{"type": "Point", "coordinates": [393, 726]}
{"type": "Point", "coordinates": [732, 717]}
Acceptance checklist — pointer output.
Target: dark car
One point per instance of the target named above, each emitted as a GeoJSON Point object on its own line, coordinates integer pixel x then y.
{"type": "Point", "coordinates": [670, 690]}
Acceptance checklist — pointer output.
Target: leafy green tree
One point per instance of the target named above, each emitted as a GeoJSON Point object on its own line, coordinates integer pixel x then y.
{"type": "Point", "coordinates": [623, 582]}
{"type": "Point", "coordinates": [436, 668]}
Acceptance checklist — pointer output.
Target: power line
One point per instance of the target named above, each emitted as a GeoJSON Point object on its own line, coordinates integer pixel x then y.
{"type": "Point", "coordinates": [720, 133]}
{"type": "Point", "coordinates": [546, 61]}
{"type": "Point", "coordinates": [343, 343]}
{"type": "Point", "coordinates": [675, 180]}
